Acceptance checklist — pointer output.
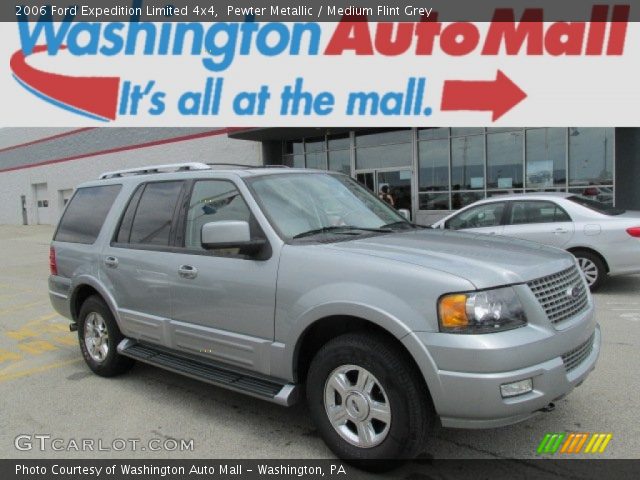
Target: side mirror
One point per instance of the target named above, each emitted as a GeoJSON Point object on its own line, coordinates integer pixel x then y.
{"type": "Point", "coordinates": [229, 234]}
{"type": "Point", "coordinates": [405, 213]}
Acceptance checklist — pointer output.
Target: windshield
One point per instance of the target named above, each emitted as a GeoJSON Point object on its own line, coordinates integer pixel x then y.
{"type": "Point", "coordinates": [596, 206]}
{"type": "Point", "coordinates": [316, 203]}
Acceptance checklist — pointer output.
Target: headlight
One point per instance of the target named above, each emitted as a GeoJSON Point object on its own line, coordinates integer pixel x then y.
{"type": "Point", "coordinates": [481, 312]}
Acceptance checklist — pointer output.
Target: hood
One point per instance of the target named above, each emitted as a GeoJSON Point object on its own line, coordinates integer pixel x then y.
{"type": "Point", "coordinates": [485, 261]}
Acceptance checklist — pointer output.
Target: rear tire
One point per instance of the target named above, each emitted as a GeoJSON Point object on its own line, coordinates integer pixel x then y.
{"type": "Point", "coordinates": [592, 267]}
{"type": "Point", "coordinates": [99, 335]}
{"type": "Point", "coordinates": [386, 414]}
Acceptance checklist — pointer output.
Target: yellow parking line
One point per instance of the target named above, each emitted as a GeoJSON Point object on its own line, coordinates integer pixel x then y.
{"type": "Point", "coordinates": [32, 371]}
{"type": "Point", "coordinates": [37, 347]}
{"type": "Point", "coordinates": [43, 318]}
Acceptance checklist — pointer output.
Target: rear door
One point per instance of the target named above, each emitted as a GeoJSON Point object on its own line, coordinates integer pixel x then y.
{"type": "Point", "coordinates": [485, 218]}
{"type": "Point", "coordinates": [136, 265]}
{"type": "Point", "coordinates": [541, 221]}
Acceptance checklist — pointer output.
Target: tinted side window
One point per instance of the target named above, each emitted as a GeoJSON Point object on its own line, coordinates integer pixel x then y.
{"type": "Point", "coordinates": [84, 216]}
{"type": "Point", "coordinates": [537, 212]}
{"type": "Point", "coordinates": [153, 217]}
{"type": "Point", "coordinates": [488, 215]}
{"type": "Point", "coordinates": [124, 232]}
{"type": "Point", "coordinates": [213, 201]}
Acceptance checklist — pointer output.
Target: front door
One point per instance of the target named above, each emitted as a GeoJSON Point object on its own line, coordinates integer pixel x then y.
{"type": "Point", "coordinates": [393, 186]}
{"type": "Point", "coordinates": [223, 301]}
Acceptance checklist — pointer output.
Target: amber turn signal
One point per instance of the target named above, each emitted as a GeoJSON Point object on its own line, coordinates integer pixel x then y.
{"type": "Point", "coordinates": [453, 311]}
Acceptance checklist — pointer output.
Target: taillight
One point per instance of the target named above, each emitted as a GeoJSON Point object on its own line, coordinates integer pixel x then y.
{"type": "Point", "coordinates": [53, 266]}
{"type": "Point", "coordinates": [634, 231]}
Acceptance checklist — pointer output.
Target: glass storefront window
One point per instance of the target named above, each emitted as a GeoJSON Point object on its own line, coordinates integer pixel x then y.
{"type": "Point", "coordinates": [433, 162]}
{"type": "Point", "coordinates": [340, 161]}
{"type": "Point", "coordinates": [317, 160]}
{"type": "Point", "coordinates": [313, 145]}
{"type": "Point", "coordinates": [298, 161]}
{"type": "Point", "coordinates": [467, 163]}
{"type": "Point", "coordinates": [458, 132]}
{"type": "Point", "coordinates": [339, 142]}
{"type": "Point", "coordinates": [495, 193]}
{"type": "Point", "coordinates": [590, 156]}
{"type": "Point", "coordinates": [433, 133]}
{"type": "Point", "coordinates": [457, 166]}
{"type": "Point", "coordinates": [602, 193]}
{"type": "Point", "coordinates": [462, 199]}
{"type": "Point", "coordinates": [293, 146]}
{"type": "Point", "coordinates": [546, 154]}
{"type": "Point", "coordinates": [384, 156]}
{"type": "Point", "coordinates": [368, 139]}
{"type": "Point", "coordinates": [434, 201]}
{"type": "Point", "coordinates": [504, 160]}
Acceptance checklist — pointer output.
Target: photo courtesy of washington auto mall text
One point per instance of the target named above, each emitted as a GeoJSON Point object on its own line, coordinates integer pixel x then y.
{"type": "Point", "coordinates": [361, 240]}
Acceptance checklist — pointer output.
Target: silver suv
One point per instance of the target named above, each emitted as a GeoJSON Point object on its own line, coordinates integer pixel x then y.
{"type": "Point", "coordinates": [265, 280]}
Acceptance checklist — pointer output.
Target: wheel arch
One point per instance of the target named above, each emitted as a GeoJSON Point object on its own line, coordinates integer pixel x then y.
{"type": "Point", "coordinates": [574, 250]}
{"type": "Point", "coordinates": [84, 288]}
{"type": "Point", "coordinates": [323, 330]}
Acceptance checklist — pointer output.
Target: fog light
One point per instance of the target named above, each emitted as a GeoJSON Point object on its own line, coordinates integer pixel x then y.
{"type": "Point", "coordinates": [514, 389]}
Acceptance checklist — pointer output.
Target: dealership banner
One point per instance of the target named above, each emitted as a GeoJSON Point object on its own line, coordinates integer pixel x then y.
{"type": "Point", "coordinates": [147, 63]}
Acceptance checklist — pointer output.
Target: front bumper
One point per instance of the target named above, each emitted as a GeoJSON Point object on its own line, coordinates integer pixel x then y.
{"type": "Point", "coordinates": [473, 399]}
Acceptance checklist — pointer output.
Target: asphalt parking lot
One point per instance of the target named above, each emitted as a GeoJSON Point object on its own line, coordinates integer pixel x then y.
{"type": "Point", "coordinates": [45, 388]}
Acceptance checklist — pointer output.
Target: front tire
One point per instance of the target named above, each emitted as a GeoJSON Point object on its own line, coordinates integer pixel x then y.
{"type": "Point", "coordinates": [99, 335]}
{"type": "Point", "coordinates": [592, 267]}
{"type": "Point", "coordinates": [368, 400]}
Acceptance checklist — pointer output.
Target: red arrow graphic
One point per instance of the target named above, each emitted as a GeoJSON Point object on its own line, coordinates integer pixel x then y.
{"type": "Point", "coordinates": [498, 96]}
{"type": "Point", "coordinates": [95, 96]}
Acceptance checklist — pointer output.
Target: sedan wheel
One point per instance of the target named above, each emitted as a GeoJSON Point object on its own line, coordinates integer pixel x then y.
{"type": "Point", "coordinates": [592, 267]}
{"type": "Point", "coordinates": [589, 269]}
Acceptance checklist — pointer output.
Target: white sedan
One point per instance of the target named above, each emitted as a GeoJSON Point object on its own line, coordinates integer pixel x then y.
{"type": "Point", "coordinates": [603, 239]}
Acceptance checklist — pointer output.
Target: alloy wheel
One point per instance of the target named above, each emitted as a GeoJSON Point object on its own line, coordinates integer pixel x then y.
{"type": "Point", "coordinates": [589, 269]}
{"type": "Point", "coordinates": [96, 336]}
{"type": "Point", "coordinates": [357, 406]}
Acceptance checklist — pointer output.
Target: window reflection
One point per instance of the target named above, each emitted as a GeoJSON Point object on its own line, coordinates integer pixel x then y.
{"type": "Point", "coordinates": [467, 163]}
{"type": "Point", "coordinates": [504, 160]}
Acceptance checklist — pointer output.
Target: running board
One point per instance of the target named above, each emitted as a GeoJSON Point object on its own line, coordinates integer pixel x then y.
{"type": "Point", "coordinates": [285, 394]}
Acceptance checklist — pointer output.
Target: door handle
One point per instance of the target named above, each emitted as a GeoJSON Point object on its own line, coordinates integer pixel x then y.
{"type": "Point", "coordinates": [111, 262]}
{"type": "Point", "coordinates": [560, 230]}
{"type": "Point", "coordinates": [187, 271]}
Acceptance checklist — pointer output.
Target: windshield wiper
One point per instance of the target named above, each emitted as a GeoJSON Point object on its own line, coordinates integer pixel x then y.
{"type": "Point", "coordinates": [402, 223]}
{"type": "Point", "coordinates": [345, 229]}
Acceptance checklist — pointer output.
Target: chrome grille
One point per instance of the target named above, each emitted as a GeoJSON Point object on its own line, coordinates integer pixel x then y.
{"type": "Point", "coordinates": [562, 295]}
{"type": "Point", "coordinates": [573, 358]}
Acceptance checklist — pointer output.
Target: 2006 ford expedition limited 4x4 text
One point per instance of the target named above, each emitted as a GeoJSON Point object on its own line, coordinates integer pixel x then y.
{"type": "Point", "coordinates": [268, 280]}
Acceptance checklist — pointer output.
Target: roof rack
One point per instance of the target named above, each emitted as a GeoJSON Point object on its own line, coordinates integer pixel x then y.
{"type": "Point", "coordinates": [178, 167]}
{"type": "Point", "coordinates": [242, 165]}
{"type": "Point", "coordinates": [171, 167]}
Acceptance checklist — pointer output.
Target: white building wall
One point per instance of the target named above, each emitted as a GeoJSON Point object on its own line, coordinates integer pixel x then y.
{"type": "Point", "coordinates": [10, 137]}
{"type": "Point", "coordinates": [67, 175]}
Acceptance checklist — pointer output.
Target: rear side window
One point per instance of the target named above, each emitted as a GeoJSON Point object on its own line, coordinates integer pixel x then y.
{"type": "Point", "coordinates": [537, 212]}
{"type": "Point", "coordinates": [154, 214]}
{"type": "Point", "coordinates": [84, 216]}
